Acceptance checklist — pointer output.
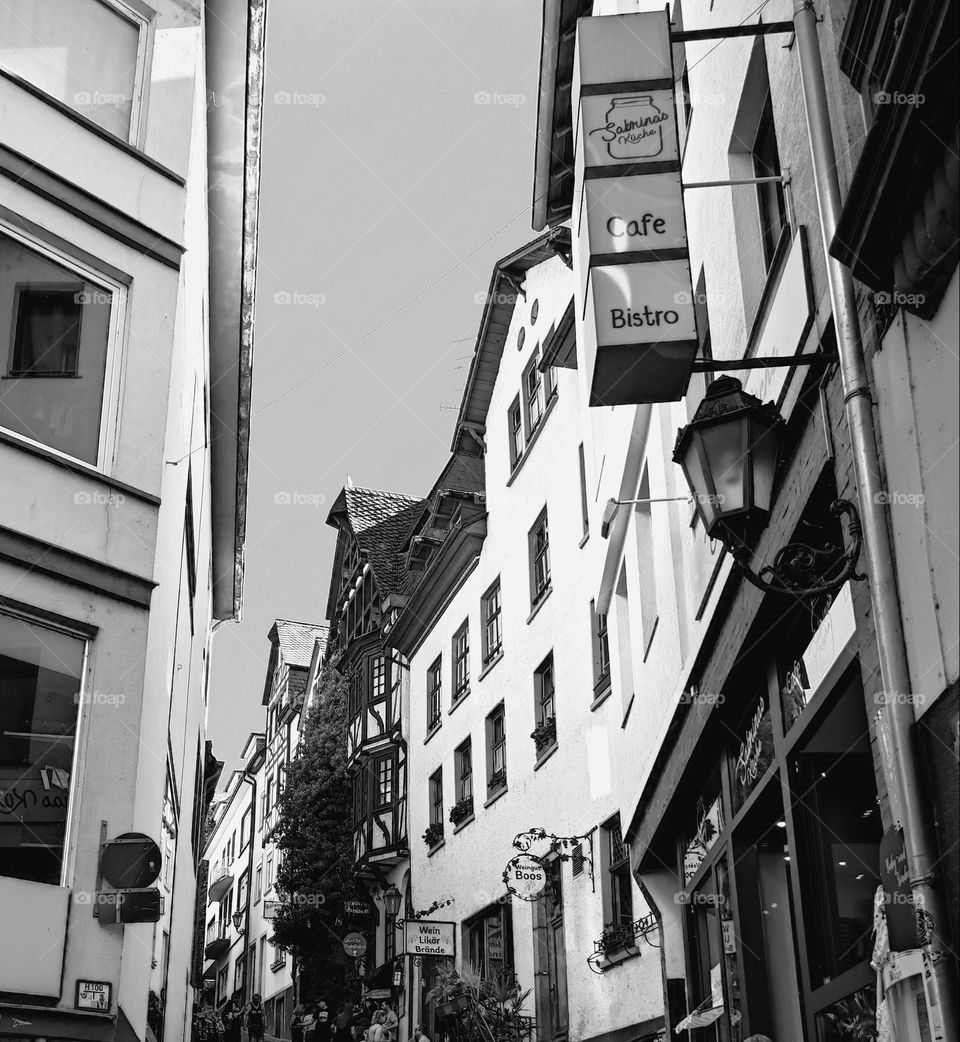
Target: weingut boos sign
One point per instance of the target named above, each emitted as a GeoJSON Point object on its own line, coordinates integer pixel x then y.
{"type": "Point", "coordinates": [525, 877]}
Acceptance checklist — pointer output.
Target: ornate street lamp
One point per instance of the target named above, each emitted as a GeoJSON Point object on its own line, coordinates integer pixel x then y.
{"type": "Point", "coordinates": [729, 453]}
{"type": "Point", "coordinates": [238, 918]}
{"type": "Point", "coordinates": [391, 901]}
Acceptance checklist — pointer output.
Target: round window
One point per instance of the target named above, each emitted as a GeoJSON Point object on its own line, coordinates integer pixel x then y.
{"type": "Point", "coordinates": [521, 337]}
{"type": "Point", "coordinates": [534, 311]}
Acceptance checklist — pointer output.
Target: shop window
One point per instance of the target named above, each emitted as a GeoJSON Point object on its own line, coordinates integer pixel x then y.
{"type": "Point", "coordinates": [461, 662]}
{"type": "Point", "coordinates": [601, 650]}
{"type": "Point", "coordinates": [496, 751]}
{"type": "Point", "coordinates": [838, 829]}
{"type": "Point", "coordinates": [539, 543]}
{"type": "Point", "coordinates": [53, 378]}
{"type": "Point", "coordinates": [515, 431]}
{"type": "Point", "coordinates": [753, 754]}
{"type": "Point", "coordinates": [855, 1017]}
{"type": "Point", "coordinates": [434, 695]}
{"type": "Point", "coordinates": [488, 941]}
{"type": "Point", "coordinates": [492, 623]}
{"type": "Point", "coordinates": [41, 672]}
{"type": "Point", "coordinates": [88, 54]}
{"type": "Point", "coordinates": [715, 979]}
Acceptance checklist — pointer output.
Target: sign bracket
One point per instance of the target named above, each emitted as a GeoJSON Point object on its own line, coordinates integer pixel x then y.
{"type": "Point", "coordinates": [717, 365]}
{"type": "Point", "coordinates": [726, 32]}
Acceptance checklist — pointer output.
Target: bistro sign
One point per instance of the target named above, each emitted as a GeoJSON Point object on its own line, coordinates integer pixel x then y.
{"type": "Point", "coordinates": [634, 270]}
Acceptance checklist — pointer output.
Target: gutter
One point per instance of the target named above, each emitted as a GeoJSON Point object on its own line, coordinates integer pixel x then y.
{"type": "Point", "coordinates": [549, 42]}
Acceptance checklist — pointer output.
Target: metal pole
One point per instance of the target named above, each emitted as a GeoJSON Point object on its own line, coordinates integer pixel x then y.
{"type": "Point", "coordinates": [773, 178]}
{"type": "Point", "coordinates": [903, 775]}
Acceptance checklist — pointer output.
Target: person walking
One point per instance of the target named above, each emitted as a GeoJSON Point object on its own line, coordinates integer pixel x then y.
{"type": "Point", "coordinates": [324, 1028]}
{"type": "Point", "coordinates": [419, 1035]}
{"type": "Point", "coordinates": [232, 1017]}
{"type": "Point", "coordinates": [255, 1019]}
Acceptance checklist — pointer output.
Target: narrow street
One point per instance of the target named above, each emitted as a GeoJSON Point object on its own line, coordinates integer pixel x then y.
{"type": "Point", "coordinates": [479, 526]}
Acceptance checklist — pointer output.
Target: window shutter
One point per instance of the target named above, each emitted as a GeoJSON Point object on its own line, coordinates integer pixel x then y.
{"type": "Point", "coordinates": [577, 859]}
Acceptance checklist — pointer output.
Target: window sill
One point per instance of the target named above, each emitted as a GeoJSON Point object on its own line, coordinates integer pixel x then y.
{"type": "Point", "coordinates": [458, 701]}
{"type": "Point", "coordinates": [626, 715]}
{"type": "Point", "coordinates": [274, 966]}
{"type": "Point", "coordinates": [545, 755]}
{"type": "Point", "coordinates": [437, 846]}
{"type": "Point", "coordinates": [463, 824]}
{"type": "Point", "coordinates": [495, 796]}
{"type": "Point", "coordinates": [535, 610]}
{"type": "Point", "coordinates": [518, 466]}
{"type": "Point", "coordinates": [486, 669]}
{"type": "Point", "coordinates": [598, 700]}
{"type": "Point", "coordinates": [617, 956]}
{"type": "Point", "coordinates": [583, 542]}
{"type": "Point", "coordinates": [433, 730]}
{"type": "Point", "coordinates": [653, 633]}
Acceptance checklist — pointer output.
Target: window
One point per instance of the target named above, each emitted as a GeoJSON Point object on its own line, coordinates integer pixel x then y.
{"type": "Point", "coordinates": [243, 889]}
{"type": "Point", "coordinates": [488, 941]}
{"type": "Point", "coordinates": [496, 751]}
{"type": "Point", "coordinates": [533, 396]}
{"type": "Point", "coordinates": [492, 624]}
{"type": "Point", "coordinates": [545, 688]}
{"type": "Point", "coordinates": [54, 375]}
{"type": "Point", "coordinates": [584, 504]}
{"type": "Point", "coordinates": [355, 694]}
{"type": "Point", "coordinates": [238, 973]}
{"type": "Point", "coordinates": [515, 432]}
{"type": "Point", "coordinates": [378, 678]}
{"type": "Point", "coordinates": [222, 975]}
{"type": "Point", "coordinates": [697, 388]}
{"type": "Point", "coordinates": [618, 904]}
{"type": "Point", "coordinates": [389, 937]}
{"type": "Point", "coordinates": [436, 797]}
{"type": "Point", "coordinates": [258, 883]}
{"type": "Point", "coordinates": [464, 763]}
{"type": "Point", "coordinates": [601, 650]}
{"type": "Point", "coordinates": [41, 672]}
{"type": "Point", "coordinates": [770, 199]}
{"type": "Point", "coordinates": [461, 662]}
{"type": "Point", "coordinates": [88, 54]}
{"type": "Point", "coordinates": [434, 692]}
{"type": "Point", "coordinates": [269, 879]}
{"type": "Point", "coordinates": [384, 775]}
{"type": "Point", "coordinates": [539, 541]}
{"type": "Point", "coordinates": [645, 562]}
{"type": "Point", "coordinates": [245, 829]}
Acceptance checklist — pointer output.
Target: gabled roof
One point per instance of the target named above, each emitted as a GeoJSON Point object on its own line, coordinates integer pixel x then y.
{"type": "Point", "coordinates": [296, 640]}
{"type": "Point", "coordinates": [381, 522]}
{"type": "Point", "coordinates": [505, 283]}
{"type": "Point", "coordinates": [463, 474]}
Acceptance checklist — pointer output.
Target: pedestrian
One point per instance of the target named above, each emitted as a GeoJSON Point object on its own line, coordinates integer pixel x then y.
{"type": "Point", "coordinates": [197, 1028]}
{"type": "Point", "coordinates": [419, 1035]}
{"type": "Point", "coordinates": [232, 1017]}
{"type": "Point", "coordinates": [296, 1023]}
{"type": "Point", "coordinates": [308, 1022]}
{"type": "Point", "coordinates": [255, 1019]}
{"type": "Point", "coordinates": [390, 1023]}
{"type": "Point", "coordinates": [324, 1024]}
{"type": "Point", "coordinates": [345, 1022]}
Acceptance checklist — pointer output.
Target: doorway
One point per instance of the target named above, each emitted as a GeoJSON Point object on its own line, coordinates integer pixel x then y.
{"type": "Point", "coordinates": [550, 964]}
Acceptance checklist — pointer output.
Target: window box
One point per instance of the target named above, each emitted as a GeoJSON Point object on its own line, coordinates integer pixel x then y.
{"type": "Point", "coordinates": [545, 734]}
{"type": "Point", "coordinates": [617, 937]}
{"type": "Point", "coordinates": [497, 781]}
{"type": "Point", "coordinates": [433, 834]}
{"type": "Point", "coordinates": [461, 810]}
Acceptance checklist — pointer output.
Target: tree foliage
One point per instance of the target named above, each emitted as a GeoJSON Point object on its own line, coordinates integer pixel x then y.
{"type": "Point", "coordinates": [314, 836]}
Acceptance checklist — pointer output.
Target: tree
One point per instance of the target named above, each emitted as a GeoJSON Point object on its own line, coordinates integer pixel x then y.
{"type": "Point", "coordinates": [314, 836]}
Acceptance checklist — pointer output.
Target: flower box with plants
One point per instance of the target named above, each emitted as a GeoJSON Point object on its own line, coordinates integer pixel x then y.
{"type": "Point", "coordinates": [486, 1010]}
{"type": "Point", "coordinates": [461, 810]}
{"type": "Point", "coordinates": [434, 834]}
{"type": "Point", "coordinates": [498, 781]}
{"type": "Point", "coordinates": [617, 937]}
{"type": "Point", "coordinates": [545, 734]}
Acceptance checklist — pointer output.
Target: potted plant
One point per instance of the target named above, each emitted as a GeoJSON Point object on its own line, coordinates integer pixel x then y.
{"type": "Point", "coordinates": [488, 1010]}
{"type": "Point", "coordinates": [461, 810]}
{"type": "Point", "coordinates": [433, 834]}
{"type": "Point", "coordinates": [545, 733]}
{"type": "Point", "coordinates": [498, 780]}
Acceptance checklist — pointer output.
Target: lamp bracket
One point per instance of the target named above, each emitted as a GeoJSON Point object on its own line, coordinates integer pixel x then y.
{"type": "Point", "coordinates": [806, 571]}
{"type": "Point", "coordinates": [720, 365]}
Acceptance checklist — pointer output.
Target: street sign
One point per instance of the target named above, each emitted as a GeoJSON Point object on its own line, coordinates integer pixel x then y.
{"type": "Point", "coordinates": [428, 937]}
{"type": "Point", "coordinates": [525, 877]}
{"type": "Point", "coordinates": [355, 944]}
{"type": "Point", "coordinates": [94, 995]}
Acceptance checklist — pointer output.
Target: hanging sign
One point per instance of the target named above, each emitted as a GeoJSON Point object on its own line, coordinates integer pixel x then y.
{"type": "Point", "coordinates": [525, 877]}
{"type": "Point", "coordinates": [355, 944]}
{"type": "Point", "coordinates": [631, 257]}
{"type": "Point", "coordinates": [428, 937]}
{"type": "Point", "coordinates": [897, 893]}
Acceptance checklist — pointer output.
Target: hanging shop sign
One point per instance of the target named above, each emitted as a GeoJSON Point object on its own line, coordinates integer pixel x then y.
{"type": "Point", "coordinates": [356, 908]}
{"type": "Point", "coordinates": [640, 334]}
{"type": "Point", "coordinates": [428, 937]}
{"type": "Point", "coordinates": [355, 944]}
{"type": "Point", "coordinates": [94, 995]}
{"type": "Point", "coordinates": [897, 893]}
{"type": "Point", "coordinates": [525, 877]}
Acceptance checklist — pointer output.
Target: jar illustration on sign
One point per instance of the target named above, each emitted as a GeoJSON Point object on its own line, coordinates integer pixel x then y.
{"type": "Point", "coordinates": [634, 128]}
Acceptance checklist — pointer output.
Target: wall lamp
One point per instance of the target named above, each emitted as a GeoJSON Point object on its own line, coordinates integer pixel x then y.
{"type": "Point", "coordinates": [729, 453]}
{"type": "Point", "coordinates": [238, 918]}
{"type": "Point", "coordinates": [613, 505]}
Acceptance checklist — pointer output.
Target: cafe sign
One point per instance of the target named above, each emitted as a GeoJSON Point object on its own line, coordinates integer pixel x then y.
{"type": "Point", "coordinates": [631, 256]}
{"type": "Point", "coordinates": [428, 937]}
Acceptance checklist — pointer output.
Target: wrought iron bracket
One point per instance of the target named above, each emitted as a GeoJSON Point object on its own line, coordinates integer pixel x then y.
{"type": "Point", "coordinates": [723, 365]}
{"type": "Point", "coordinates": [561, 846]}
{"type": "Point", "coordinates": [805, 571]}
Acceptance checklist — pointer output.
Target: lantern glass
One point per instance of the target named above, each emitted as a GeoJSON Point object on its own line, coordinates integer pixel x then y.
{"type": "Point", "coordinates": [766, 448]}
{"type": "Point", "coordinates": [391, 901]}
{"type": "Point", "coordinates": [723, 446]}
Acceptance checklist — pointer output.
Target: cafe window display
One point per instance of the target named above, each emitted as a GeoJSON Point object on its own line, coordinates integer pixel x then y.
{"type": "Point", "coordinates": [779, 866]}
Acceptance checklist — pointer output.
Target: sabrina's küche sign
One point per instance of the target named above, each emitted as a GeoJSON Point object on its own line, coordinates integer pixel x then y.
{"type": "Point", "coordinates": [634, 269]}
{"type": "Point", "coordinates": [428, 937]}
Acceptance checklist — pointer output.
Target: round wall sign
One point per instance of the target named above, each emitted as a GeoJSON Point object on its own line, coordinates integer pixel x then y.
{"type": "Point", "coordinates": [355, 944]}
{"type": "Point", "coordinates": [525, 877]}
{"type": "Point", "coordinates": [130, 861]}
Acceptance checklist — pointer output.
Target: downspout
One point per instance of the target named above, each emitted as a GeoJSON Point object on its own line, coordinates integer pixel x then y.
{"type": "Point", "coordinates": [251, 780]}
{"type": "Point", "coordinates": [901, 768]}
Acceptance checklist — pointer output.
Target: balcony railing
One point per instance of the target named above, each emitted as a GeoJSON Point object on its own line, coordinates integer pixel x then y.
{"type": "Point", "coordinates": [218, 943]}
{"type": "Point", "coordinates": [222, 881]}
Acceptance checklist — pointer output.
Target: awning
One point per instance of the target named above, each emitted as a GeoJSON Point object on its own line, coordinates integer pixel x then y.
{"type": "Point", "coordinates": [699, 1018]}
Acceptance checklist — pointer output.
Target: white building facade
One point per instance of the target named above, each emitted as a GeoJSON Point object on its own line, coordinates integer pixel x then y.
{"type": "Point", "coordinates": [123, 473]}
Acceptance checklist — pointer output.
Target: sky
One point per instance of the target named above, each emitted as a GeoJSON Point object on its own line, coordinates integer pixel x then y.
{"type": "Point", "coordinates": [397, 168]}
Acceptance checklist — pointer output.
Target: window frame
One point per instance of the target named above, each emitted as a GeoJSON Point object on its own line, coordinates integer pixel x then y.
{"type": "Point", "coordinates": [768, 195]}
{"type": "Point", "coordinates": [547, 668]}
{"type": "Point", "coordinates": [539, 558]}
{"type": "Point", "coordinates": [87, 635]}
{"type": "Point", "coordinates": [532, 396]}
{"type": "Point", "coordinates": [388, 760]}
{"type": "Point", "coordinates": [115, 356]}
{"type": "Point", "coordinates": [600, 639]}
{"type": "Point", "coordinates": [434, 694]}
{"type": "Point", "coordinates": [494, 590]}
{"type": "Point", "coordinates": [460, 657]}
{"type": "Point", "coordinates": [435, 794]}
{"type": "Point", "coordinates": [463, 779]}
{"type": "Point", "coordinates": [617, 874]}
{"type": "Point", "coordinates": [496, 748]}
{"type": "Point", "coordinates": [584, 499]}
{"type": "Point", "coordinates": [515, 433]}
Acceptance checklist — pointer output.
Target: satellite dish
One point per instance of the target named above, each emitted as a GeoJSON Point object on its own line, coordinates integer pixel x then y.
{"type": "Point", "coordinates": [130, 861]}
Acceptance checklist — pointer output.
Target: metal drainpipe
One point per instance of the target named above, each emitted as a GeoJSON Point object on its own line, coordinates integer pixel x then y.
{"type": "Point", "coordinates": [251, 780]}
{"type": "Point", "coordinates": [902, 774]}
